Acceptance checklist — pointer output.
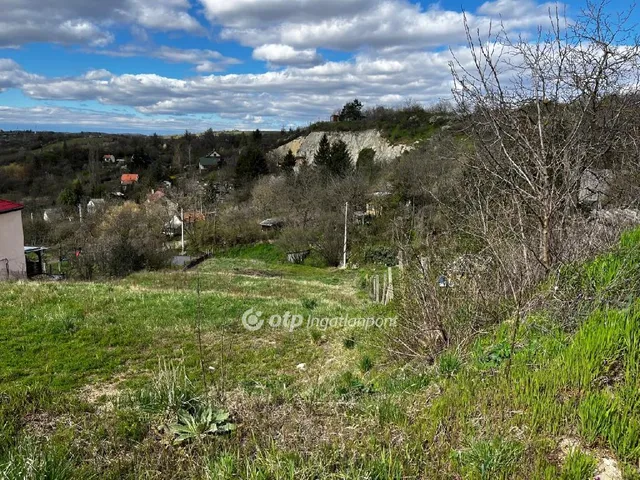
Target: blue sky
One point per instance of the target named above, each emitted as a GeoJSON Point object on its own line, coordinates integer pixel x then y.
{"type": "Point", "coordinates": [169, 65]}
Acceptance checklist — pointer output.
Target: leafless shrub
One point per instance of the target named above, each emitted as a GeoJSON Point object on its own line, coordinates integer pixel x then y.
{"type": "Point", "coordinates": [440, 304]}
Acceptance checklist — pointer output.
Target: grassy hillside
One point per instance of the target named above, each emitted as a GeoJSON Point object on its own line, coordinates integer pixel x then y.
{"type": "Point", "coordinates": [95, 378]}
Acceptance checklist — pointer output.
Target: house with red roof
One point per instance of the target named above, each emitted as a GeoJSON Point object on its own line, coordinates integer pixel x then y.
{"type": "Point", "coordinates": [129, 179]}
{"type": "Point", "coordinates": [12, 253]}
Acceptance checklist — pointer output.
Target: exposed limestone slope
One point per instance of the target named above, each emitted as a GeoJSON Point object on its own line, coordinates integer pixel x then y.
{"type": "Point", "coordinates": [356, 141]}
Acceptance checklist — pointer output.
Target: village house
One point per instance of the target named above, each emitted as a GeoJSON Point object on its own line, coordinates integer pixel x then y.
{"type": "Point", "coordinates": [209, 162]}
{"type": "Point", "coordinates": [12, 253]}
{"type": "Point", "coordinates": [109, 159]}
{"type": "Point", "coordinates": [129, 179]}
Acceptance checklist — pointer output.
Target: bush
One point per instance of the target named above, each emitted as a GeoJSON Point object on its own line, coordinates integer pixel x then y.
{"type": "Point", "coordinates": [376, 255]}
{"type": "Point", "coordinates": [238, 226]}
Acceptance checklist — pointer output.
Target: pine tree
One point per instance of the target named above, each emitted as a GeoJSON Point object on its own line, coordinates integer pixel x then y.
{"type": "Point", "coordinates": [251, 164]}
{"type": "Point", "coordinates": [322, 158]}
{"type": "Point", "coordinates": [366, 163]}
{"type": "Point", "coordinates": [351, 111]}
{"type": "Point", "coordinates": [340, 163]}
{"type": "Point", "coordinates": [289, 161]}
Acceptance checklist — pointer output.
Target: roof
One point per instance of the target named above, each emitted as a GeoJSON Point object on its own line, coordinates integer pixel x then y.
{"type": "Point", "coordinates": [34, 249]}
{"type": "Point", "coordinates": [192, 217]}
{"type": "Point", "coordinates": [7, 206]}
{"type": "Point", "coordinates": [155, 196]}
{"type": "Point", "coordinates": [96, 200]}
{"type": "Point", "coordinates": [129, 177]}
{"type": "Point", "coordinates": [209, 161]}
{"type": "Point", "coordinates": [271, 222]}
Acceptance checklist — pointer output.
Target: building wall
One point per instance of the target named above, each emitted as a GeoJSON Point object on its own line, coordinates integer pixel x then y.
{"type": "Point", "coordinates": [12, 261]}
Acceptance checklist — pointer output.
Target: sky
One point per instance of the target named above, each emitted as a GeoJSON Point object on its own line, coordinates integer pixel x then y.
{"type": "Point", "coordinates": [167, 66]}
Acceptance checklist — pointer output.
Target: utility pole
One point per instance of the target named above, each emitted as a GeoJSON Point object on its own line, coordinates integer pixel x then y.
{"type": "Point", "coordinates": [182, 228]}
{"type": "Point", "coordinates": [344, 252]}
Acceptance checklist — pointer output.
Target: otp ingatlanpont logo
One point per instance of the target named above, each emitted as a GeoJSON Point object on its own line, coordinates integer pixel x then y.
{"type": "Point", "coordinates": [252, 321]}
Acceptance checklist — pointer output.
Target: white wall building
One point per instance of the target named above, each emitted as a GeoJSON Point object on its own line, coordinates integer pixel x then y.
{"type": "Point", "coordinates": [12, 259]}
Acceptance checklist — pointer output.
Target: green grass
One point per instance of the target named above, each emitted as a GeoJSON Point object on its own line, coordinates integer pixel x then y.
{"type": "Point", "coordinates": [94, 377]}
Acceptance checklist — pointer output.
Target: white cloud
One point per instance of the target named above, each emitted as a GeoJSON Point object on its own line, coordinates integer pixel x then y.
{"type": "Point", "coordinates": [276, 98]}
{"type": "Point", "coordinates": [398, 51]}
{"type": "Point", "coordinates": [277, 54]}
{"type": "Point", "coordinates": [356, 24]}
{"type": "Point", "coordinates": [257, 13]}
{"type": "Point", "coordinates": [47, 117]}
{"type": "Point", "coordinates": [12, 75]}
{"type": "Point", "coordinates": [88, 22]}
{"type": "Point", "coordinates": [204, 61]}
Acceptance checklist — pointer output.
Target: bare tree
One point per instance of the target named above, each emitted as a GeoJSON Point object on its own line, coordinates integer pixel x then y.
{"type": "Point", "coordinates": [541, 113]}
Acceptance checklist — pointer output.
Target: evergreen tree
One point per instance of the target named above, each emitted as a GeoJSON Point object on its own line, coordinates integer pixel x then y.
{"type": "Point", "coordinates": [288, 162]}
{"type": "Point", "coordinates": [251, 164]}
{"type": "Point", "coordinates": [351, 111]}
{"type": "Point", "coordinates": [209, 139]}
{"type": "Point", "coordinates": [72, 194]}
{"type": "Point", "coordinates": [322, 158]}
{"type": "Point", "coordinates": [366, 163]}
{"type": "Point", "coordinates": [340, 163]}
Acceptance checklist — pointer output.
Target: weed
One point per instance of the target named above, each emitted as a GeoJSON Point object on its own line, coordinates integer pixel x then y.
{"type": "Point", "coordinates": [449, 364]}
{"type": "Point", "coordinates": [578, 466]}
{"type": "Point", "coordinates": [35, 461]}
{"type": "Point", "coordinates": [170, 391]}
{"type": "Point", "coordinates": [366, 364]}
{"type": "Point", "coordinates": [198, 425]}
{"type": "Point", "coordinates": [316, 335]}
{"type": "Point", "coordinates": [349, 342]}
{"type": "Point", "coordinates": [131, 426]}
{"type": "Point", "coordinates": [309, 303]}
{"type": "Point", "coordinates": [222, 468]}
{"type": "Point", "coordinates": [489, 459]}
{"type": "Point", "coordinates": [347, 385]}
{"type": "Point", "coordinates": [390, 412]}
{"type": "Point", "coordinates": [495, 355]}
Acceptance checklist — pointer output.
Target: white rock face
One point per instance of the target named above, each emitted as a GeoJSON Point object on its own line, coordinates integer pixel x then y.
{"type": "Point", "coordinates": [356, 141]}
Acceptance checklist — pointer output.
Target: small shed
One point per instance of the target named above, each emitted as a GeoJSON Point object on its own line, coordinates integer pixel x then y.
{"type": "Point", "coordinates": [52, 214]}
{"type": "Point", "coordinates": [193, 217]}
{"type": "Point", "coordinates": [271, 224]}
{"type": "Point", "coordinates": [35, 261]}
{"type": "Point", "coordinates": [298, 257]}
{"type": "Point", "coordinates": [95, 204]}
